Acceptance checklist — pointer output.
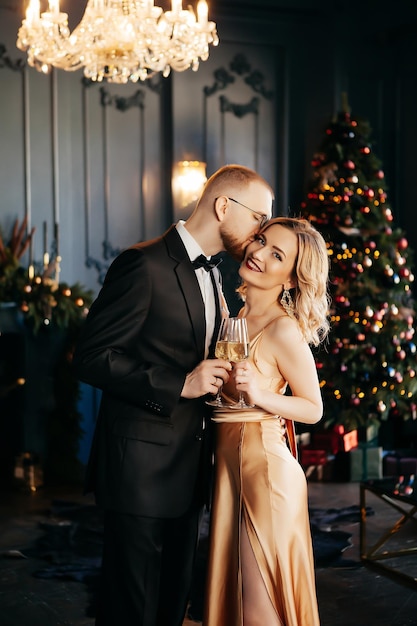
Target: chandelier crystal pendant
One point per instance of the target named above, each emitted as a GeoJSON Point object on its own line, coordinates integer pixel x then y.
{"type": "Point", "coordinates": [118, 40]}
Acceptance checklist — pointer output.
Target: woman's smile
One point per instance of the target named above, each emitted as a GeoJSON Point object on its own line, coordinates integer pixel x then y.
{"type": "Point", "coordinates": [252, 265]}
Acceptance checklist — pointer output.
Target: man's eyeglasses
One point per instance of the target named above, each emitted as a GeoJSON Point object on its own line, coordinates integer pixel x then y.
{"type": "Point", "coordinates": [262, 218]}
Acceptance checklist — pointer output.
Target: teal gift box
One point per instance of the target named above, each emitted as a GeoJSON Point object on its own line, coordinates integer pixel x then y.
{"type": "Point", "coordinates": [361, 469]}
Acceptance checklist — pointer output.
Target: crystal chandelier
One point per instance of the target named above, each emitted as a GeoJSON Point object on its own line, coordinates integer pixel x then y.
{"type": "Point", "coordinates": [118, 40]}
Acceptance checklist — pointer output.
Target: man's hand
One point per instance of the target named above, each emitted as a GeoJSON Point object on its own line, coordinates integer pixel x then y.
{"type": "Point", "coordinates": [206, 378]}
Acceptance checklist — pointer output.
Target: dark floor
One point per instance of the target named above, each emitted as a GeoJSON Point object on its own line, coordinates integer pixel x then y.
{"type": "Point", "coordinates": [351, 595]}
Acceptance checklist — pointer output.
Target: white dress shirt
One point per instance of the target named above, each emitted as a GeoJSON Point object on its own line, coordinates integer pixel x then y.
{"type": "Point", "coordinates": [204, 280]}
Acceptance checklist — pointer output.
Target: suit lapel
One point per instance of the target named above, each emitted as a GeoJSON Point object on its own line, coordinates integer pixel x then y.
{"type": "Point", "coordinates": [214, 282]}
{"type": "Point", "coordinates": [188, 283]}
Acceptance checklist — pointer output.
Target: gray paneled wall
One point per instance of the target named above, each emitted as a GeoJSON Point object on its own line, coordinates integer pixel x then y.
{"type": "Point", "coordinates": [97, 159]}
{"type": "Point", "coordinates": [237, 95]}
{"type": "Point", "coordinates": [121, 156]}
{"type": "Point", "coordinates": [83, 156]}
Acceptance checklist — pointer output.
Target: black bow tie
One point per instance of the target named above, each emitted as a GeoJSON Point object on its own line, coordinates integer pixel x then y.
{"type": "Point", "coordinates": [202, 261]}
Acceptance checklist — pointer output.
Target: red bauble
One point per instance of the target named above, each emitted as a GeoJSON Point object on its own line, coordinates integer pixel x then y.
{"type": "Point", "coordinates": [402, 243]}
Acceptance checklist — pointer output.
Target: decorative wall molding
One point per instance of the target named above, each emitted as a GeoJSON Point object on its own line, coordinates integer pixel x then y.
{"type": "Point", "coordinates": [23, 68]}
{"type": "Point", "coordinates": [255, 78]}
{"type": "Point", "coordinates": [121, 104]}
{"type": "Point", "coordinates": [16, 65]}
{"type": "Point", "coordinates": [223, 79]}
{"type": "Point", "coordinates": [239, 110]}
{"type": "Point", "coordinates": [239, 68]}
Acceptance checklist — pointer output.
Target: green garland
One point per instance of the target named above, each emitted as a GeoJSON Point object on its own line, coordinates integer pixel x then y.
{"type": "Point", "coordinates": [41, 299]}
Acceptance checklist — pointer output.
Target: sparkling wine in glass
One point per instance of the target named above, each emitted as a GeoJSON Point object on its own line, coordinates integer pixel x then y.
{"type": "Point", "coordinates": [222, 352]}
{"type": "Point", "coordinates": [238, 349]}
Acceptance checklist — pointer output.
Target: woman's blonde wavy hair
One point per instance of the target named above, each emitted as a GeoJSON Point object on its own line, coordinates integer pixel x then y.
{"type": "Point", "coordinates": [311, 297]}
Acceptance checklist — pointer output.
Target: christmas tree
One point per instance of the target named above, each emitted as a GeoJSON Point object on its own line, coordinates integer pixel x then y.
{"type": "Point", "coordinates": [368, 368]}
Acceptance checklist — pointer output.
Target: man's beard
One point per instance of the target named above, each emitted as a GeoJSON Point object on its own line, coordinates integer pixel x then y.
{"type": "Point", "coordinates": [233, 246]}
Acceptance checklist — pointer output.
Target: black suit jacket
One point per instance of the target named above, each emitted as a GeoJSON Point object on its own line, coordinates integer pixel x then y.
{"type": "Point", "coordinates": [144, 332]}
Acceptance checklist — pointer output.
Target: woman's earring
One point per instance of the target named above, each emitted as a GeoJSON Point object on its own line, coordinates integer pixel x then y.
{"type": "Point", "coordinates": [287, 303]}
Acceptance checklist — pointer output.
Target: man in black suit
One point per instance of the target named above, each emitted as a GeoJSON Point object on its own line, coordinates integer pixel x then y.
{"type": "Point", "coordinates": [146, 343]}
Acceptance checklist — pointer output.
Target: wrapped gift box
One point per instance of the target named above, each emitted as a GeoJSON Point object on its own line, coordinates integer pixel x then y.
{"type": "Point", "coordinates": [318, 473]}
{"type": "Point", "coordinates": [336, 440]}
{"type": "Point", "coordinates": [311, 456]}
{"type": "Point", "coordinates": [317, 464]}
{"type": "Point", "coordinates": [350, 440]}
{"type": "Point", "coordinates": [369, 434]}
{"type": "Point", "coordinates": [395, 464]}
{"type": "Point", "coordinates": [373, 462]}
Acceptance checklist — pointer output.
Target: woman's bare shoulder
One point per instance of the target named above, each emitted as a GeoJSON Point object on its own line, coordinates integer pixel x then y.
{"type": "Point", "coordinates": [284, 330]}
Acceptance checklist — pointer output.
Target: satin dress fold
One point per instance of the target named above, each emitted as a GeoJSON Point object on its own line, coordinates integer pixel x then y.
{"type": "Point", "coordinates": [258, 482]}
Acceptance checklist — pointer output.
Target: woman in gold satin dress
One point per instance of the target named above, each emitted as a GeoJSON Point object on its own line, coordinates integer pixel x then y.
{"type": "Point", "coordinates": [261, 568]}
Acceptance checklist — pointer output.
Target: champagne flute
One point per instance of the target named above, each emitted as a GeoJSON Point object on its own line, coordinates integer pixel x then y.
{"type": "Point", "coordinates": [222, 352]}
{"type": "Point", "coordinates": [238, 349]}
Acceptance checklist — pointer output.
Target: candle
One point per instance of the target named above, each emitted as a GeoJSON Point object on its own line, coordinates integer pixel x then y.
{"type": "Point", "coordinates": [33, 12]}
{"type": "Point", "coordinates": [45, 237]}
{"type": "Point", "coordinates": [202, 12]}
{"type": "Point", "coordinates": [31, 248]}
{"type": "Point", "coordinates": [57, 239]}
{"type": "Point", "coordinates": [57, 270]}
{"type": "Point", "coordinates": [54, 6]}
{"type": "Point", "coordinates": [45, 245]}
{"type": "Point", "coordinates": [176, 6]}
{"type": "Point", "coordinates": [31, 272]}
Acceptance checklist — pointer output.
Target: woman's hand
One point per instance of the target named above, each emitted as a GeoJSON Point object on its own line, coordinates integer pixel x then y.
{"type": "Point", "coordinates": [245, 380]}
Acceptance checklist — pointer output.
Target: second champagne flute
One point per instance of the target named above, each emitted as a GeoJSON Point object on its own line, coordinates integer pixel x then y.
{"type": "Point", "coordinates": [239, 351]}
{"type": "Point", "coordinates": [221, 352]}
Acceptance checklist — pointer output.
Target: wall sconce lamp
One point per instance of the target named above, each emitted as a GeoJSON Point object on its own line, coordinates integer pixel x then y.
{"type": "Point", "coordinates": [188, 181]}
